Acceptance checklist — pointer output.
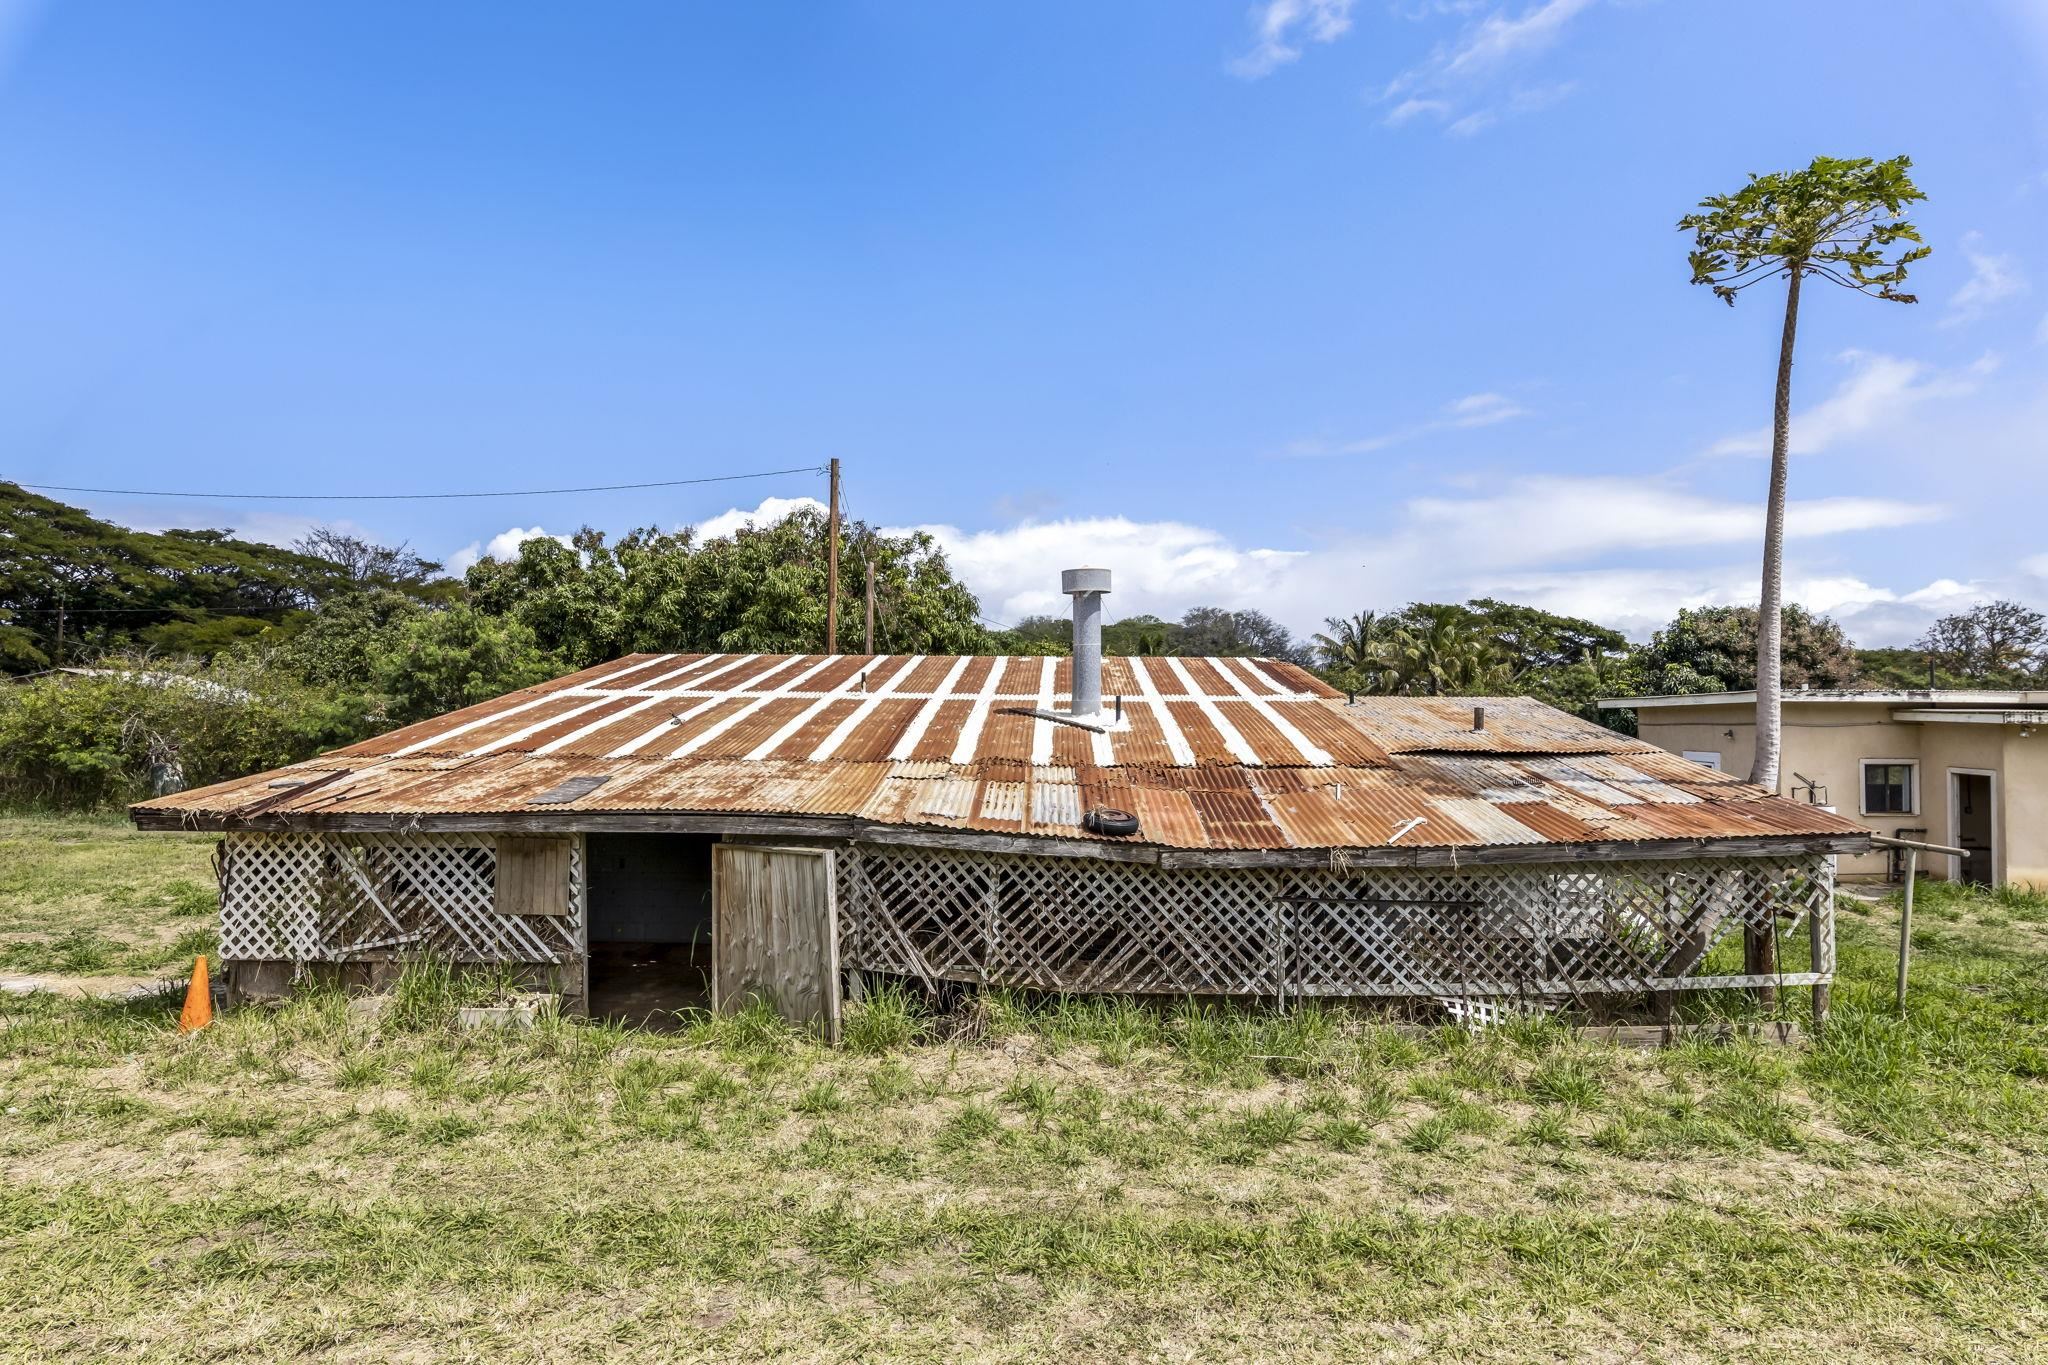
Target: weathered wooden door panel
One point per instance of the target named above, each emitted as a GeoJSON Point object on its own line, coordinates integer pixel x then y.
{"type": "Point", "coordinates": [775, 932]}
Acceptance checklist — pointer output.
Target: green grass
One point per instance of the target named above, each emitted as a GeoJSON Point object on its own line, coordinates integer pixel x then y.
{"type": "Point", "coordinates": [90, 896]}
{"type": "Point", "coordinates": [1066, 1179]}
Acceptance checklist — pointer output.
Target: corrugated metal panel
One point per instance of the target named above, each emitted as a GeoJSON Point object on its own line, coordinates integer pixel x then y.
{"type": "Point", "coordinates": [1513, 725]}
{"type": "Point", "coordinates": [1201, 762]}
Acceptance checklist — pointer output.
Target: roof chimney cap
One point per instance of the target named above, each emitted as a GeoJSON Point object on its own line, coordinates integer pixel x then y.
{"type": "Point", "coordinates": [1074, 581]}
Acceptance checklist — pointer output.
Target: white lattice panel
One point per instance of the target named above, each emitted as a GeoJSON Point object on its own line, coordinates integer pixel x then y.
{"type": "Point", "coordinates": [1520, 932]}
{"type": "Point", "coordinates": [333, 898]}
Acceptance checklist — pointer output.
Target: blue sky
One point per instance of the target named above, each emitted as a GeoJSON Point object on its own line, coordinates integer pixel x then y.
{"type": "Point", "coordinates": [1306, 305]}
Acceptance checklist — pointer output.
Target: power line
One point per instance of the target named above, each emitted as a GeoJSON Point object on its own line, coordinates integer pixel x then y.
{"type": "Point", "coordinates": [413, 497]}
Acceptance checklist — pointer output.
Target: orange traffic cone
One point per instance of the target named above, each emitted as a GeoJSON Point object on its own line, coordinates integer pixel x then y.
{"type": "Point", "coordinates": [198, 1011]}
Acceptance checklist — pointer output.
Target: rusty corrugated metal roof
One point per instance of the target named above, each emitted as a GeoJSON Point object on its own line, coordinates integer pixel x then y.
{"type": "Point", "coordinates": [1210, 754]}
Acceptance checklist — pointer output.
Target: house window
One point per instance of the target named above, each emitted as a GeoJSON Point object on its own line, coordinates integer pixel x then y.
{"type": "Point", "coordinates": [1707, 758]}
{"type": "Point", "coordinates": [1887, 787]}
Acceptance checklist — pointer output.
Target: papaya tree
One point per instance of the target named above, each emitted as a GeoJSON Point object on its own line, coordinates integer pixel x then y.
{"type": "Point", "coordinates": [1841, 221]}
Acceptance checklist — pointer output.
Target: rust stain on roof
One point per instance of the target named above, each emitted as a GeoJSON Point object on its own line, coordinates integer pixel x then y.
{"type": "Point", "coordinates": [1209, 753]}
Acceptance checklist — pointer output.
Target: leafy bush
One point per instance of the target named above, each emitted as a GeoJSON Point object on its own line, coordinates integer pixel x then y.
{"type": "Point", "coordinates": [80, 741]}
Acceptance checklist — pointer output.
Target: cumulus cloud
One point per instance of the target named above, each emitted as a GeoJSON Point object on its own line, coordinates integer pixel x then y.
{"type": "Point", "coordinates": [1467, 85]}
{"type": "Point", "coordinates": [1878, 391]}
{"type": "Point", "coordinates": [1638, 602]}
{"type": "Point", "coordinates": [1473, 410]}
{"type": "Point", "coordinates": [504, 545]}
{"type": "Point", "coordinates": [769, 512]}
{"type": "Point", "coordinates": [1280, 27]}
{"type": "Point", "coordinates": [1538, 539]}
{"type": "Point", "coordinates": [1993, 280]}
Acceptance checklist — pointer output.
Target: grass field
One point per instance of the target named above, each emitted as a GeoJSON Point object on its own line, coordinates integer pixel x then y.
{"type": "Point", "coordinates": [1080, 1182]}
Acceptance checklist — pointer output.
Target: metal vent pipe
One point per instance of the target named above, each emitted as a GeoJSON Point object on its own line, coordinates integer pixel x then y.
{"type": "Point", "coordinates": [1086, 587]}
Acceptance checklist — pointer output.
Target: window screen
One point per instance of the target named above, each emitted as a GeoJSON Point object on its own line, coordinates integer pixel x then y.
{"type": "Point", "coordinates": [1887, 788]}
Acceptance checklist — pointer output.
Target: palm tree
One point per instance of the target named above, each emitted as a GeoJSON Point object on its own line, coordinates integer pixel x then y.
{"type": "Point", "coordinates": [1440, 655]}
{"type": "Point", "coordinates": [1836, 219]}
{"type": "Point", "coordinates": [1354, 649]}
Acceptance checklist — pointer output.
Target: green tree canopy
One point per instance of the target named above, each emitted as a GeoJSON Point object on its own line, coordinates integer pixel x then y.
{"type": "Point", "coordinates": [760, 590]}
{"type": "Point", "coordinates": [1713, 649]}
{"type": "Point", "coordinates": [183, 591]}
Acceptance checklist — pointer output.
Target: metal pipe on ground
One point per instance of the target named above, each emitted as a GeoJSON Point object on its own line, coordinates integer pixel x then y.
{"type": "Point", "coordinates": [1914, 848]}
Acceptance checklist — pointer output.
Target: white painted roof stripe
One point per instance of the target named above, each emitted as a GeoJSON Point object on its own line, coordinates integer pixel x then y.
{"type": "Point", "coordinates": [1232, 740]}
{"type": "Point", "coordinates": [1260, 676]}
{"type": "Point", "coordinates": [654, 683]}
{"type": "Point", "coordinates": [1176, 742]}
{"type": "Point", "coordinates": [1041, 730]}
{"type": "Point", "coordinates": [539, 725]}
{"type": "Point", "coordinates": [1101, 750]}
{"type": "Point", "coordinates": [977, 716]}
{"type": "Point", "coordinates": [803, 717]}
{"type": "Point", "coordinates": [720, 726]}
{"type": "Point", "coordinates": [634, 745]}
{"type": "Point", "coordinates": [638, 742]}
{"type": "Point", "coordinates": [859, 714]}
{"type": "Point", "coordinates": [442, 737]}
{"type": "Point", "coordinates": [1310, 751]}
{"type": "Point", "coordinates": [907, 745]}
{"type": "Point", "coordinates": [584, 731]}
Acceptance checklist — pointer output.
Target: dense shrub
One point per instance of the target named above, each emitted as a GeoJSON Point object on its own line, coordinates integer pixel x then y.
{"type": "Point", "coordinates": [133, 725]}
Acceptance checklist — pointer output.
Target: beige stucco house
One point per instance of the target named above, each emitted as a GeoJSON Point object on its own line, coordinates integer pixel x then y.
{"type": "Point", "coordinates": [1964, 768]}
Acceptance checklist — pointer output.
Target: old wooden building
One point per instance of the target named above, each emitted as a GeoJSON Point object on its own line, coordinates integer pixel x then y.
{"type": "Point", "coordinates": [782, 824]}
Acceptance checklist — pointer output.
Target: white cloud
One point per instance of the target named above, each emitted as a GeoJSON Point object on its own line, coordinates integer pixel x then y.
{"type": "Point", "coordinates": [1469, 71]}
{"type": "Point", "coordinates": [1412, 108]}
{"type": "Point", "coordinates": [771, 510]}
{"type": "Point", "coordinates": [504, 545]}
{"type": "Point", "coordinates": [1993, 279]}
{"type": "Point", "coordinates": [1463, 414]}
{"type": "Point", "coordinates": [1281, 26]}
{"type": "Point", "coordinates": [1546, 518]}
{"type": "Point", "coordinates": [1498, 40]}
{"type": "Point", "coordinates": [1521, 538]}
{"type": "Point", "coordinates": [1879, 390]}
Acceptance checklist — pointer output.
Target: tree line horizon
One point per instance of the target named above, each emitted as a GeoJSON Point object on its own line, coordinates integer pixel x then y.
{"type": "Point", "coordinates": [221, 656]}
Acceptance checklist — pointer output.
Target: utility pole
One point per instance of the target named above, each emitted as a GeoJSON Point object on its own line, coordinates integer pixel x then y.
{"type": "Point", "coordinates": [869, 647]}
{"type": "Point", "coordinates": [832, 569]}
{"type": "Point", "coordinates": [59, 661]}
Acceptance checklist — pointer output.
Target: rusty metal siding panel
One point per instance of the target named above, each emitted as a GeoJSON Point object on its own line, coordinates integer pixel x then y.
{"type": "Point", "coordinates": [1513, 725]}
{"type": "Point", "coordinates": [936, 745]}
{"type": "Point", "coordinates": [1202, 737]}
{"type": "Point", "coordinates": [877, 736]}
{"type": "Point", "coordinates": [1017, 677]}
{"type": "Point", "coordinates": [1325, 725]}
{"type": "Point", "coordinates": [1169, 818]}
{"type": "Point", "coordinates": [1552, 824]}
{"type": "Point", "coordinates": [1007, 734]}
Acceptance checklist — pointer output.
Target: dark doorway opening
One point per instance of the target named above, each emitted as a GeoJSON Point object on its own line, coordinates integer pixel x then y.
{"type": "Point", "coordinates": [650, 926]}
{"type": "Point", "coordinates": [1970, 794]}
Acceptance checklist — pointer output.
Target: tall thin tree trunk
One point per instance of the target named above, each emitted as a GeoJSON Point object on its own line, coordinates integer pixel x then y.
{"type": "Point", "coordinates": [1760, 946]}
{"type": "Point", "coordinates": [1770, 607]}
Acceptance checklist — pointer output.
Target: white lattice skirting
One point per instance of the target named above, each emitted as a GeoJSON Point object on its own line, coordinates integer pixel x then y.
{"type": "Point", "coordinates": [1553, 931]}
{"type": "Point", "coordinates": [342, 898]}
{"type": "Point", "coordinates": [1563, 930]}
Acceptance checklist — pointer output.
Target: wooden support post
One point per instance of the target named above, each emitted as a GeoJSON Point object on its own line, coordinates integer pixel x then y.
{"type": "Point", "coordinates": [832, 567]}
{"type": "Point", "coordinates": [1760, 951]}
{"type": "Point", "coordinates": [868, 646]}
